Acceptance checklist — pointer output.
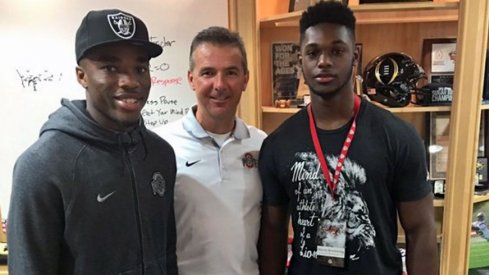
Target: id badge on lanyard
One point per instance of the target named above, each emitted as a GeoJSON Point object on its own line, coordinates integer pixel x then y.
{"type": "Point", "coordinates": [331, 234]}
{"type": "Point", "coordinates": [331, 242]}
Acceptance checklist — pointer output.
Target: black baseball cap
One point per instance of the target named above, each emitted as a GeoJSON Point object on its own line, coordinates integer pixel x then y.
{"type": "Point", "coordinates": [103, 27]}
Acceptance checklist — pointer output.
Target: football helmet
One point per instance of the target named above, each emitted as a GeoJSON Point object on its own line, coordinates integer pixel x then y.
{"type": "Point", "coordinates": [391, 79]}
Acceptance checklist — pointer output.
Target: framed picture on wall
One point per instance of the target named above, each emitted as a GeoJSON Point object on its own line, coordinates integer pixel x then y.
{"type": "Point", "coordinates": [357, 75]}
{"type": "Point", "coordinates": [438, 60]}
{"type": "Point", "coordinates": [437, 145]}
{"type": "Point", "coordinates": [438, 128]}
{"type": "Point", "coordinates": [285, 72]}
{"type": "Point", "coordinates": [297, 5]}
{"type": "Point", "coordinates": [479, 238]}
{"type": "Point", "coordinates": [359, 47]}
{"type": "Point", "coordinates": [390, 1]}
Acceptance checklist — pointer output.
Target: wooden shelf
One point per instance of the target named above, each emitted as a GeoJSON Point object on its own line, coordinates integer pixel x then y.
{"type": "Point", "coordinates": [479, 198]}
{"type": "Point", "coordinates": [402, 238]}
{"type": "Point", "coordinates": [408, 109]}
{"type": "Point", "coordinates": [382, 14]}
{"type": "Point", "coordinates": [273, 110]}
{"type": "Point", "coordinates": [416, 109]}
{"type": "Point", "coordinates": [438, 202]}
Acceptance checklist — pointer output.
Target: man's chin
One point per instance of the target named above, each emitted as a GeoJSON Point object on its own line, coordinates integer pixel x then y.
{"type": "Point", "coordinates": [325, 94]}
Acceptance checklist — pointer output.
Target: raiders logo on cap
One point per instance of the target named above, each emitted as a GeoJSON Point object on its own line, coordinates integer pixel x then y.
{"type": "Point", "coordinates": [122, 24]}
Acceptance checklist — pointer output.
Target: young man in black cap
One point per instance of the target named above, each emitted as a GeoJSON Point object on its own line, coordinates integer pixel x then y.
{"type": "Point", "coordinates": [345, 169]}
{"type": "Point", "coordinates": [94, 194]}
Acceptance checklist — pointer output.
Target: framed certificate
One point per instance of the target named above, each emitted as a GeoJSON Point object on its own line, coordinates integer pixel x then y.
{"type": "Point", "coordinates": [437, 146]}
{"type": "Point", "coordinates": [439, 55]}
{"type": "Point", "coordinates": [297, 5]}
{"type": "Point", "coordinates": [439, 126]}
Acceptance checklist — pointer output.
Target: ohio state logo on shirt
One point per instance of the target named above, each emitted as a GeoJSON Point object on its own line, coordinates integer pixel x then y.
{"type": "Point", "coordinates": [158, 184]}
{"type": "Point", "coordinates": [250, 160]}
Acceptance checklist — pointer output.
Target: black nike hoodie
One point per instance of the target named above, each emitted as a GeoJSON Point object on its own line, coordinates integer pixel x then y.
{"type": "Point", "coordinates": [87, 200]}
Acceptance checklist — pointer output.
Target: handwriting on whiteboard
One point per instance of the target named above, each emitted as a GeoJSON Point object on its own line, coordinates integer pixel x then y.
{"type": "Point", "coordinates": [31, 80]}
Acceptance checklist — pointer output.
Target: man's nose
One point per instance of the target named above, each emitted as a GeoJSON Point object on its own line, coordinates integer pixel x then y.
{"type": "Point", "coordinates": [129, 80]}
{"type": "Point", "coordinates": [219, 81]}
{"type": "Point", "coordinates": [324, 60]}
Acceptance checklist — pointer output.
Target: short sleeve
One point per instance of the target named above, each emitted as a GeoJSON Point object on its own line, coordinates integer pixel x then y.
{"type": "Point", "coordinates": [274, 193]}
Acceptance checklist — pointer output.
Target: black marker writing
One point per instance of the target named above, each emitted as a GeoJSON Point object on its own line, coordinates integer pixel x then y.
{"type": "Point", "coordinates": [162, 42]}
{"type": "Point", "coordinates": [28, 79]}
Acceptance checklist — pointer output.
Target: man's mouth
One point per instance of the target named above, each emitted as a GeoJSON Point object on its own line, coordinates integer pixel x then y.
{"type": "Point", "coordinates": [324, 78]}
{"type": "Point", "coordinates": [131, 104]}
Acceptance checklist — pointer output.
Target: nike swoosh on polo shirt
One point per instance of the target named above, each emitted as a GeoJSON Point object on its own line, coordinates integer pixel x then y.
{"type": "Point", "coordinates": [188, 164]}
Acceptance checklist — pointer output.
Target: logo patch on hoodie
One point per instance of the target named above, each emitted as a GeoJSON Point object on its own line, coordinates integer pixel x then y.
{"type": "Point", "coordinates": [158, 184]}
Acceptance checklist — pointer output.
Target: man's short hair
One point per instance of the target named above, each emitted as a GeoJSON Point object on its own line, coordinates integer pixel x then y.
{"type": "Point", "coordinates": [327, 12]}
{"type": "Point", "coordinates": [221, 37]}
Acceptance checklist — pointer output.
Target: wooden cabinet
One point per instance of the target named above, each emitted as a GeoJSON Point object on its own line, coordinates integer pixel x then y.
{"type": "Point", "coordinates": [398, 27]}
{"type": "Point", "coordinates": [381, 28]}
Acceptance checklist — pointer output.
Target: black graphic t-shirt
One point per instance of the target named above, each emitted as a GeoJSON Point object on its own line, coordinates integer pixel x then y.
{"type": "Point", "coordinates": [386, 164]}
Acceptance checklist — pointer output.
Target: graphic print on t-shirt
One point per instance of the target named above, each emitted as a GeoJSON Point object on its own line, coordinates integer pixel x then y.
{"type": "Point", "coordinates": [315, 203]}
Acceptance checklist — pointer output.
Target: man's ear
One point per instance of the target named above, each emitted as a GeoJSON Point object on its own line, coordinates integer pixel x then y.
{"type": "Point", "coordinates": [81, 76]}
{"type": "Point", "coordinates": [247, 78]}
{"type": "Point", "coordinates": [190, 79]}
{"type": "Point", "coordinates": [356, 55]}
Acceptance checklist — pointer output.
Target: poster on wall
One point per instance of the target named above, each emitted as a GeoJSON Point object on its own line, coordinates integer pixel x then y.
{"type": "Point", "coordinates": [479, 239]}
{"type": "Point", "coordinates": [285, 72]}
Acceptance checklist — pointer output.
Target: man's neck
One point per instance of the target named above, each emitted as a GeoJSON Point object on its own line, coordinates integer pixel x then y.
{"type": "Point", "coordinates": [332, 113]}
{"type": "Point", "coordinates": [216, 126]}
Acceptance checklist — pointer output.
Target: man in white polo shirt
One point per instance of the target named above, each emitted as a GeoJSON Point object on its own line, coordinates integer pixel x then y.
{"type": "Point", "coordinates": [218, 191]}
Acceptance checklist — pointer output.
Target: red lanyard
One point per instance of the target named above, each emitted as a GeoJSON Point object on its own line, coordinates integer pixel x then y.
{"type": "Point", "coordinates": [344, 150]}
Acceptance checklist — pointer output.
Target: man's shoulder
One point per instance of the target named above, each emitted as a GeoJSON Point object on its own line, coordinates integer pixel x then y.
{"type": "Point", "coordinates": [158, 139]}
{"type": "Point", "coordinates": [256, 133]}
{"type": "Point", "coordinates": [379, 116]}
{"type": "Point", "coordinates": [54, 143]}
{"type": "Point", "coordinates": [292, 125]}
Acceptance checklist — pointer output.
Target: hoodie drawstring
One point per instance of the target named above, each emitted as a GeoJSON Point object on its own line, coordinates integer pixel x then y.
{"type": "Point", "coordinates": [145, 146]}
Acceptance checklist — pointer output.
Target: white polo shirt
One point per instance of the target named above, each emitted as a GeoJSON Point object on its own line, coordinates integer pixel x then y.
{"type": "Point", "coordinates": [218, 197]}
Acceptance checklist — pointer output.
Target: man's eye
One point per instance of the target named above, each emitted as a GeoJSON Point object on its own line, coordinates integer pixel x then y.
{"type": "Point", "coordinates": [143, 69]}
{"type": "Point", "coordinates": [338, 51]}
{"type": "Point", "coordinates": [109, 68]}
{"type": "Point", "coordinates": [311, 53]}
{"type": "Point", "coordinates": [206, 73]}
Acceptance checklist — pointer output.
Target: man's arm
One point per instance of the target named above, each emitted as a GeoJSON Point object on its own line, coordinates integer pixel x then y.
{"type": "Point", "coordinates": [35, 221]}
{"type": "Point", "coordinates": [171, 243]}
{"type": "Point", "coordinates": [418, 220]}
{"type": "Point", "coordinates": [171, 230]}
{"type": "Point", "coordinates": [272, 243]}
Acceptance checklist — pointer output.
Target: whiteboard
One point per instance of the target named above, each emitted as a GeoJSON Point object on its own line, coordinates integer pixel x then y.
{"type": "Point", "coordinates": [38, 62]}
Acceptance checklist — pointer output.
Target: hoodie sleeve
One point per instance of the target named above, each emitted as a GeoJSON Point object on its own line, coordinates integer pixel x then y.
{"type": "Point", "coordinates": [171, 245]}
{"type": "Point", "coordinates": [172, 236]}
{"type": "Point", "coordinates": [35, 220]}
